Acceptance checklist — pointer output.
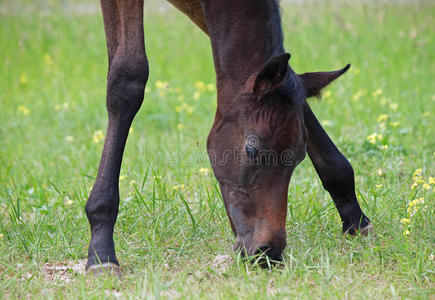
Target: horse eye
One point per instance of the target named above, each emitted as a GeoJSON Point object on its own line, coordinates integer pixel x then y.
{"type": "Point", "coordinates": [251, 151]}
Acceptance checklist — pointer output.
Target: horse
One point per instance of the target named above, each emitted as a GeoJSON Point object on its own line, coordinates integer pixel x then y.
{"type": "Point", "coordinates": [262, 130]}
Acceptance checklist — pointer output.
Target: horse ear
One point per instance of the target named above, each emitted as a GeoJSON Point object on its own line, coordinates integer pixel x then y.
{"type": "Point", "coordinates": [316, 81]}
{"type": "Point", "coordinates": [272, 75]}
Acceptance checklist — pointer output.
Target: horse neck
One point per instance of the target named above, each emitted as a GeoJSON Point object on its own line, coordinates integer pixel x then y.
{"type": "Point", "coordinates": [244, 35]}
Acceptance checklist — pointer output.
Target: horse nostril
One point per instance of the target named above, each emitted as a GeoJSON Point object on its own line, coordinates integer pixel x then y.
{"type": "Point", "coordinates": [272, 253]}
{"type": "Point", "coordinates": [264, 249]}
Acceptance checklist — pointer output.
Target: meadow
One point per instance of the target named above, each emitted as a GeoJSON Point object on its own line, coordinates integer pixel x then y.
{"type": "Point", "coordinates": [173, 238]}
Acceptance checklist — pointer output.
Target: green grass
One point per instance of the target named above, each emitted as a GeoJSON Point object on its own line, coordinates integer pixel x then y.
{"type": "Point", "coordinates": [53, 65]}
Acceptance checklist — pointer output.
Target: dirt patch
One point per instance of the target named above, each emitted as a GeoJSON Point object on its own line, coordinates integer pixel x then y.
{"type": "Point", "coordinates": [63, 271]}
{"type": "Point", "coordinates": [221, 264]}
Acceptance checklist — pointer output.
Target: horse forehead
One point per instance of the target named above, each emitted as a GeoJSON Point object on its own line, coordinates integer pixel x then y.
{"type": "Point", "coordinates": [273, 117]}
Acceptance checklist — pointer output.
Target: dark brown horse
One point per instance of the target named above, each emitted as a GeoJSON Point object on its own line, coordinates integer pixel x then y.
{"type": "Point", "coordinates": [263, 125]}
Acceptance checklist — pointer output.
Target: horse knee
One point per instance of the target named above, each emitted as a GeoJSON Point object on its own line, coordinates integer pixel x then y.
{"type": "Point", "coordinates": [126, 83]}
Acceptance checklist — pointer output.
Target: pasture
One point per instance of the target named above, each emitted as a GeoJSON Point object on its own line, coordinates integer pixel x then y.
{"type": "Point", "coordinates": [173, 238]}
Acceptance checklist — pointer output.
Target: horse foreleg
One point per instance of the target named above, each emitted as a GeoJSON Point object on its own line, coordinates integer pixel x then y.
{"type": "Point", "coordinates": [126, 80]}
{"type": "Point", "coordinates": [336, 174]}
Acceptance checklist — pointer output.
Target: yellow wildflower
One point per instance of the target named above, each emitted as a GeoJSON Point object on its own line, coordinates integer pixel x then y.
{"type": "Point", "coordinates": [196, 95]}
{"type": "Point", "coordinates": [178, 187]}
{"type": "Point", "coordinates": [394, 124]}
{"type": "Point", "coordinates": [69, 202]}
{"type": "Point", "coordinates": [358, 95]}
{"type": "Point", "coordinates": [405, 221]}
{"type": "Point", "coordinates": [431, 180]}
{"type": "Point", "coordinates": [98, 136]}
{"type": "Point", "coordinates": [416, 202]}
{"type": "Point", "coordinates": [426, 186]}
{"type": "Point", "coordinates": [211, 87]}
{"type": "Point", "coordinates": [23, 79]}
{"type": "Point", "coordinates": [326, 123]}
{"type": "Point", "coordinates": [425, 114]}
{"type": "Point", "coordinates": [132, 182]}
{"type": "Point", "coordinates": [157, 177]}
{"type": "Point", "coordinates": [200, 86]}
{"type": "Point", "coordinates": [24, 110]}
{"type": "Point", "coordinates": [378, 186]}
{"type": "Point", "coordinates": [374, 137]}
{"type": "Point", "coordinates": [203, 171]}
{"type": "Point", "coordinates": [377, 92]}
{"type": "Point", "coordinates": [161, 85]}
{"type": "Point", "coordinates": [417, 180]}
{"type": "Point", "coordinates": [383, 147]}
{"type": "Point", "coordinates": [327, 94]}
{"type": "Point", "coordinates": [190, 110]}
{"type": "Point", "coordinates": [69, 138]}
{"type": "Point", "coordinates": [393, 105]}
{"type": "Point", "coordinates": [1, 236]}
{"type": "Point", "coordinates": [178, 108]}
{"type": "Point", "coordinates": [48, 60]}
{"type": "Point", "coordinates": [407, 232]}
{"type": "Point", "coordinates": [180, 126]}
{"type": "Point", "coordinates": [380, 172]}
{"type": "Point", "coordinates": [122, 178]}
{"type": "Point", "coordinates": [382, 117]}
{"type": "Point", "coordinates": [417, 172]}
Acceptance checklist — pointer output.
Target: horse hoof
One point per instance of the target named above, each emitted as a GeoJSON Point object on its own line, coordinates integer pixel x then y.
{"type": "Point", "coordinates": [369, 230]}
{"type": "Point", "coordinates": [108, 268]}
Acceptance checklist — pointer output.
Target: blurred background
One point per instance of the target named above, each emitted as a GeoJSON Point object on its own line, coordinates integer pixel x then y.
{"type": "Point", "coordinates": [172, 223]}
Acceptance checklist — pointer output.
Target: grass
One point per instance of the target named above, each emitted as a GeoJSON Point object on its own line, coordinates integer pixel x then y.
{"type": "Point", "coordinates": [52, 80]}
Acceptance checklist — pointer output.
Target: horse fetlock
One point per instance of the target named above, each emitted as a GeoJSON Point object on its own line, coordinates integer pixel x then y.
{"type": "Point", "coordinates": [101, 209]}
{"type": "Point", "coordinates": [101, 212]}
{"type": "Point", "coordinates": [101, 248]}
